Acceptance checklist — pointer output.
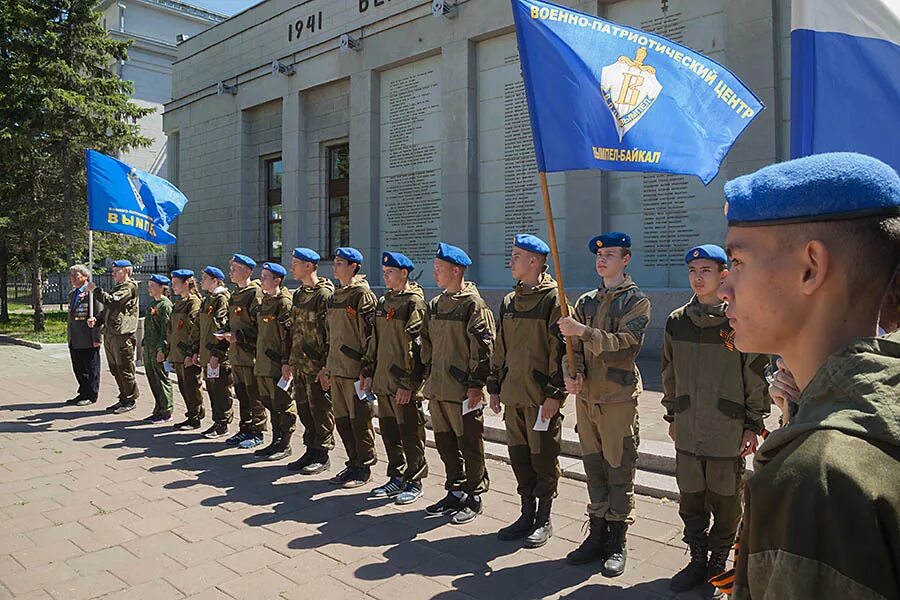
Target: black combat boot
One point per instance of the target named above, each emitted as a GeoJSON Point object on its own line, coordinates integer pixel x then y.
{"type": "Point", "coordinates": [718, 560]}
{"type": "Point", "coordinates": [594, 545]}
{"type": "Point", "coordinates": [617, 553]}
{"type": "Point", "coordinates": [543, 529]}
{"type": "Point", "coordinates": [269, 450]}
{"type": "Point", "coordinates": [523, 525]}
{"type": "Point", "coordinates": [694, 573]}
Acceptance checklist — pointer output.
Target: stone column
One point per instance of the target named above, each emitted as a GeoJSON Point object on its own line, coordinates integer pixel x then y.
{"type": "Point", "coordinates": [365, 111]}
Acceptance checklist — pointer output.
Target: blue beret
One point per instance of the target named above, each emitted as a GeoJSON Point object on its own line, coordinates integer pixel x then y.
{"type": "Point", "coordinates": [821, 187]}
{"type": "Point", "coordinates": [275, 269]}
{"type": "Point", "coordinates": [710, 251]}
{"type": "Point", "coordinates": [160, 279]}
{"type": "Point", "coordinates": [244, 260]}
{"type": "Point", "coordinates": [397, 260]}
{"type": "Point", "coordinates": [307, 254]}
{"type": "Point", "coordinates": [182, 273]}
{"type": "Point", "coordinates": [613, 239]}
{"type": "Point", "coordinates": [214, 272]}
{"type": "Point", "coordinates": [350, 254]}
{"type": "Point", "coordinates": [452, 254]}
{"type": "Point", "coordinates": [122, 263]}
{"type": "Point", "coordinates": [531, 243]}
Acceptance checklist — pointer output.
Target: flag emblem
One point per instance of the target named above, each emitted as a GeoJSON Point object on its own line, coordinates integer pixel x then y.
{"type": "Point", "coordinates": [630, 88]}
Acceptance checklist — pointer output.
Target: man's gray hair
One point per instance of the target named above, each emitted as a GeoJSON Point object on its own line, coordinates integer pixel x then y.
{"type": "Point", "coordinates": [79, 268]}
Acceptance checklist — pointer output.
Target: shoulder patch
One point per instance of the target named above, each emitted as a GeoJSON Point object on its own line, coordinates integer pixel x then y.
{"type": "Point", "coordinates": [637, 326]}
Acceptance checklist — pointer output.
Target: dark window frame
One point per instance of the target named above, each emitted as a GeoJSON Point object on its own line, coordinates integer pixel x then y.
{"type": "Point", "coordinates": [272, 197]}
{"type": "Point", "coordinates": [337, 195]}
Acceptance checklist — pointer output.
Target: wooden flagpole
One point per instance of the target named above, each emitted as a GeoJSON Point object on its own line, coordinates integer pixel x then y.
{"type": "Point", "coordinates": [554, 251]}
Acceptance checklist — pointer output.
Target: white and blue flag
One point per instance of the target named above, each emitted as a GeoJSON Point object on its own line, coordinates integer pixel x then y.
{"type": "Point", "coordinates": [123, 199]}
{"type": "Point", "coordinates": [845, 78]}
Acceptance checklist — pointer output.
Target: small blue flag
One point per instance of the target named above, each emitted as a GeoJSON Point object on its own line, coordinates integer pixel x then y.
{"type": "Point", "coordinates": [606, 96]}
{"type": "Point", "coordinates": [122, 199]}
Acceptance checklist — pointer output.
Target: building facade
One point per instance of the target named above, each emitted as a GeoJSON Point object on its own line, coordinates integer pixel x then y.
{"type": "Point", "coordinates": [389, 125]}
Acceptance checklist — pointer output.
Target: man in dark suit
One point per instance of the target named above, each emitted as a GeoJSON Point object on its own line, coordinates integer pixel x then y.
{"type": "Point", "coordinates": [84, 337]}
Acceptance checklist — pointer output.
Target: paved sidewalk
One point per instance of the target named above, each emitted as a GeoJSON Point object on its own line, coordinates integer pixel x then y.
{"type": "Point", "coordinates": [96, 505]}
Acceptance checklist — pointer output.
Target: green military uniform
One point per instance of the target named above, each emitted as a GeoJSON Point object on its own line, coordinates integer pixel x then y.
{"type": "Point", "coordinates": [243, 307]}
{"type": "Point", "coordinates": [457, 339]}
{"type": "Point", "coordinates": [606, 408]}
{"type": "Point", "coordinates": [120, 321]}
{"type": "Point", "coordinates": [393, 361]}
{"type": "Point", "coordinates": [822, 508]}
{"type": "Point", "coordinates": [526, 370]}
{"type": "Point", "coordinates": [182, 329]}
{"type": "Point", "coordinates": [214, 317]}
{"type": "Point", "coordinates": [350, 317]}
{"type": "Point", "coordinates": [712, 393]}
{"type": "Point", "coordinates": [308, 353]}
{"type": "Point", "coordinates": [156, 332]}
{"type": "Point", "coordinates": [273, 351]}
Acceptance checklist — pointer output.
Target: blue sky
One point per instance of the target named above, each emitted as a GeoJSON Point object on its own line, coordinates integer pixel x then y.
{"type": "Point", "coordinates": [226, 7]}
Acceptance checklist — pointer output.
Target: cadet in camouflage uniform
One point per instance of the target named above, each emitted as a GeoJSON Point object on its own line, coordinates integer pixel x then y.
{"type": "Point", "coordinates": [607, 332]}
{"type": "Point", "coordinates": [120, 321]}
{"type": "Point", "coordinates": [393, 360]}
{"type": "Point", "coordinates": [182, 330]}
{"type": "Point", "coordinates": [351, 315]}
{"type": "Point", "coordinates": [156, 347]}
{"type": "Point", "coordinates": [273, 353]}
{"type": "Point", "coordinates": [211, 352]}
{"type": "Point", "coordinates": [527, 377]}
{"type": "Point", "coordinates": [457, 342]}
{"type": "Point", "coordinates": [308, 353]}
{"type": "Point", "coordinates": [243, 307]}
{"type": "Point", "coordinates": [814, 244]}
{"type": "Point", "coordinates": [715, 400]}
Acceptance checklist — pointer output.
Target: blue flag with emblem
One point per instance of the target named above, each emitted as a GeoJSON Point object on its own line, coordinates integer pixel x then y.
{"type": "Point", "coordinates": [123, 199]}
{"type": "Point", "coordinates": [606, 96]}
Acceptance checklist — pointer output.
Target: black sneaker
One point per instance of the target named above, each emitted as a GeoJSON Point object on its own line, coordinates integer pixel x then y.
{"type": "Point", "coordinates": [472, 507]}
{"type": "Point", "coordinates": [343, 477]}
{"type": "Point", "coordinates": [268, 450]}
{"type": "Point", "coordinates": [359, 478]}
{"type": "Point", "coordinates": [151, 418]}
{"type": "Point", "coordinates": [162, 418]}
{"type": "Point", "coordinates": [281, 452]}
{"type": "Point", "coordinates": [411, 492]}
{"type": "Point", "coordinates": [216, 430]}
{"type": "Point", "coordinates": [318, 465]}
{"type": "Point", "coordinates": [301, 462]}
{"type": "Point", "coordinates": [72, 401]}
{"type": "Point", "coordinates": [113, 407]}
{"type": "Point", "coordinates": [391, 489]}
{"type": "Point", "coordinates": [89, 401]}
{"type": "Point", "coordinates": [123, 408]}
{"type": "Point", "coordinates": [187, 425]}
{"type": "Point", "coordinates": [236, 439]}
{"type": "Point", "coordinates": [448, 505]}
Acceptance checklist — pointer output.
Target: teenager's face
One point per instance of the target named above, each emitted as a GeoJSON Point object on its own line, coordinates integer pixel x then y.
{"type": "Point", "coordinates": [343, 269]}
{"type": "Point", "coordinates": [705, 276]}
{"type": "Point", "coordinates": [522, 263]}
{"type": "Point", "coordinates": [611, 262]}
{"type": "Point", "coordinates": [445, 273]}
{"type": "Point", "coordinates": [208, 283]}
{"type": "Point", "coordinates": [269, 281]}
{"type": "Point", "coordinates": [301, 268]}
{"type": "Point", "coordinates": [394, 278]}
{"type": "Point", "coordinates": [155, 289]}
{"type": "Point", "coordinates": [178, 286]}
{"type": "Point", "coordinates": [763, 290]}
{"type": "Point", "coordinates": [119, 274]}
{"type": "Point", "coordinates": [238, 272]}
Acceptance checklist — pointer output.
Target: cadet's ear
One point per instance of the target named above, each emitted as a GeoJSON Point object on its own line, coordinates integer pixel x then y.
{"type": "Point", "coordinates": [817, 264]}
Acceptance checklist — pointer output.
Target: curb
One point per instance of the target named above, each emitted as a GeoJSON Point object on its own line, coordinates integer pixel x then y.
{"type": "Point", "coordinates": [19, 342]}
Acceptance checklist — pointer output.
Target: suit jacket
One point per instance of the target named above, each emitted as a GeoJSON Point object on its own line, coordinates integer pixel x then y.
{"type": "Point", "coordinates": [80, 335]}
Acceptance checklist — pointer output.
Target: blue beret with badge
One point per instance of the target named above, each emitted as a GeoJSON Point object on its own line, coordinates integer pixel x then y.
{"type": "Point", "coordinates": [349, 254]}
{"type": "Point", "coordinates": [160, 279]}
{"type": "Point", "coordinates": [532, 243]}
{"type": "Point", "coordinates": [822, 187]}
{"type": "Point", "coordinates": [708, 251]}
{"type": "Point", "coordinates": [397, 260]}
{"type": "Point", "coordinates": [452, 254]}
{"type": "Point", "coordinates": [275, 269]}
{"type": "Point", "coordinates": [244, 260]}
{"type": "Point", "coordinates": [121, 263]}
{"type": "Point", "coordinates": [613, 239]}
{"type": "Point", "coordinates": [307, 254]}
{"type": "Point", "coordinates": [214, 272]}
{"type": "Point", "coordinates": [183, 274]}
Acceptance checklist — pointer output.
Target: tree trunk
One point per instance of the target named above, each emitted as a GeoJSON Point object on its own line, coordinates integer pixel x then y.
{"type": "Point", "coordinates": [37, 288]}
{"type": "Point", "coordinates": [4, 282]}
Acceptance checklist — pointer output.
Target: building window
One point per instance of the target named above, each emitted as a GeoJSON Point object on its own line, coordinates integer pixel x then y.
{"type": "Point", "coordinates": [338, 197]}
{"type": "Point", "coordinates": [273, 208]}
